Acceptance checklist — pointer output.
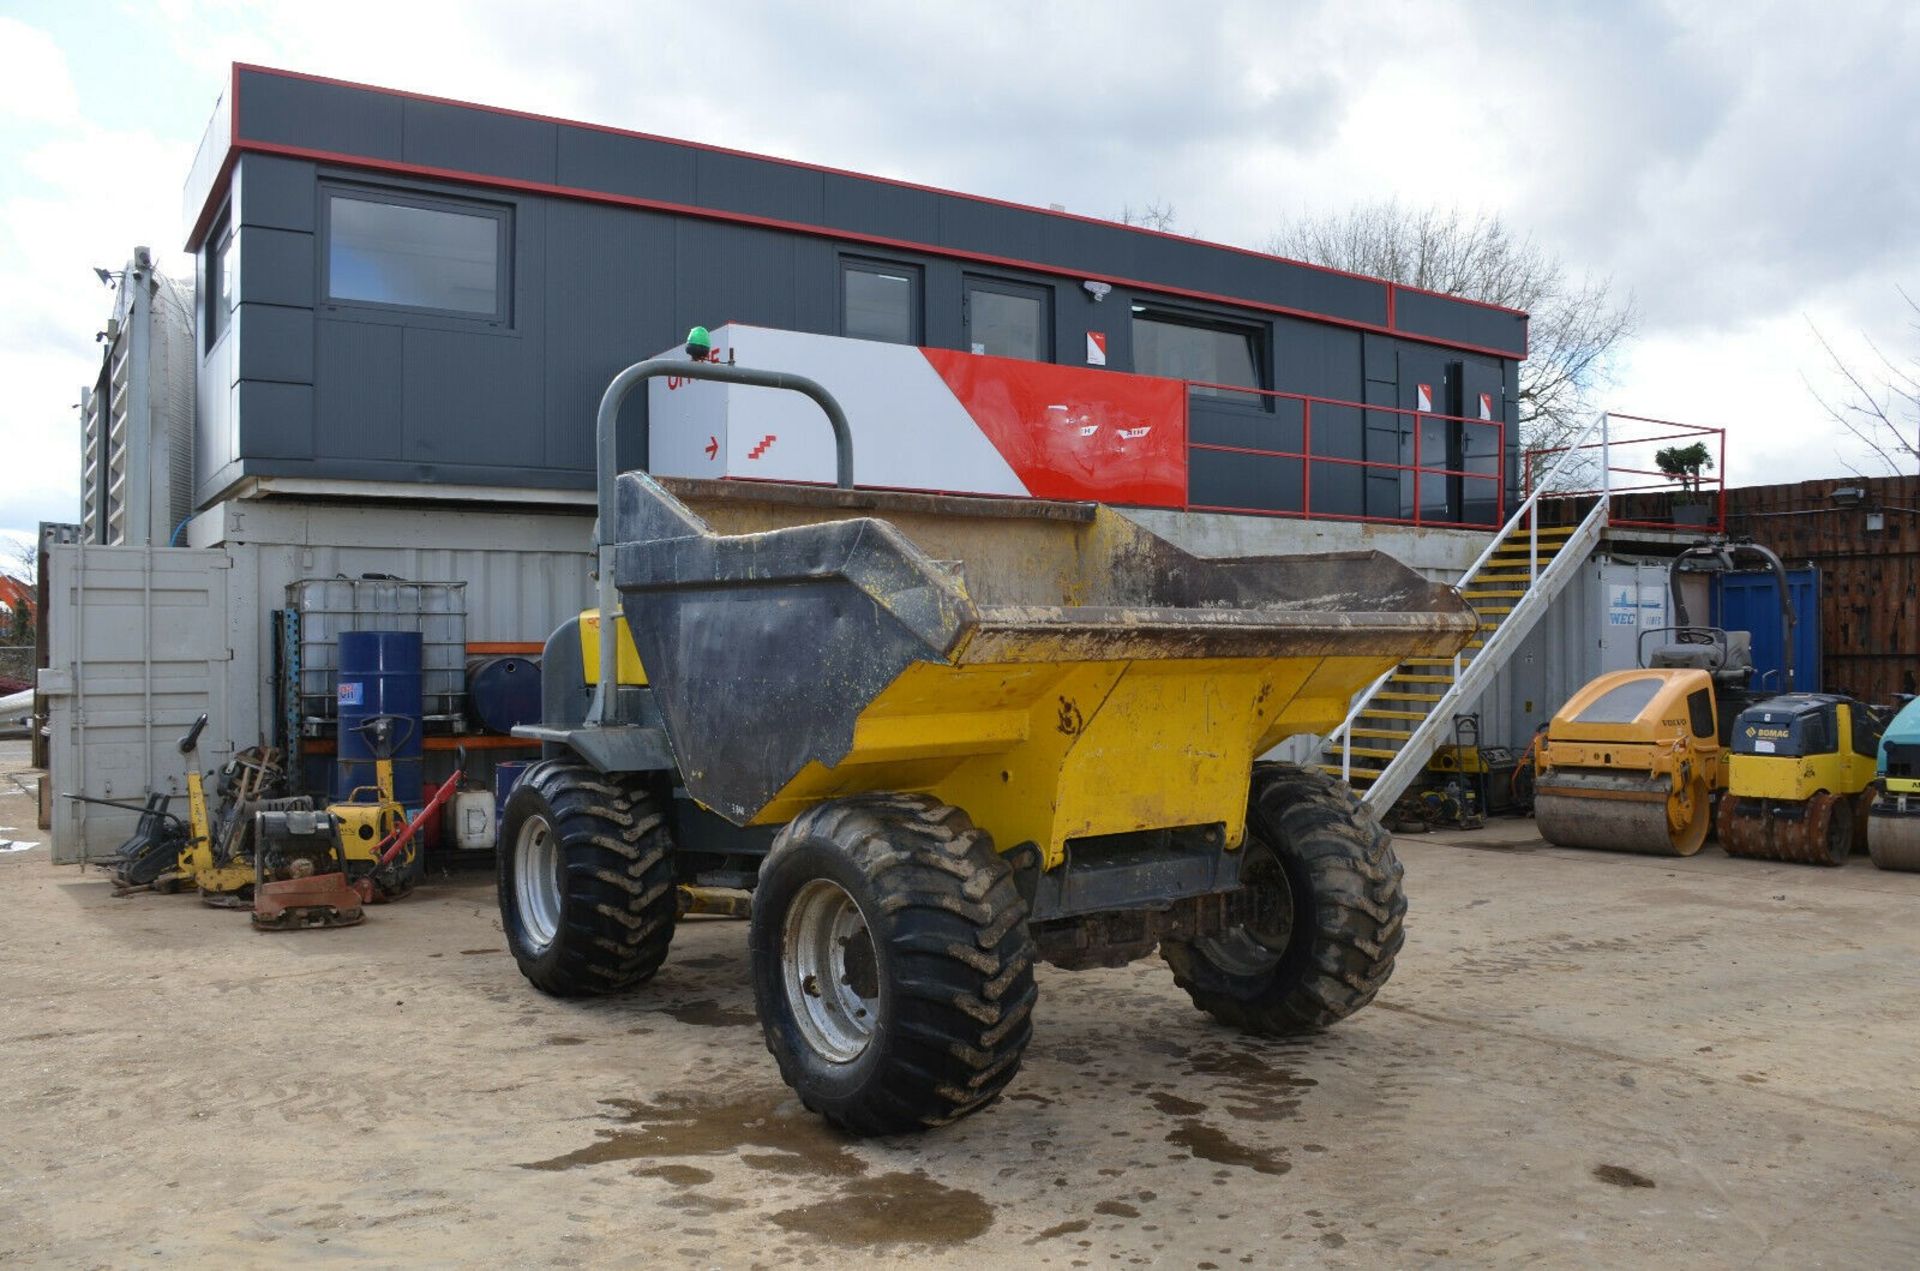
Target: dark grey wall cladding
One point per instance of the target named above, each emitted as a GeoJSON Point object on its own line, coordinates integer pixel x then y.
{"type": "Point", "coordinates": [317, 116]}
{"type": "Point", "coordinates": [1445, 318]}
{"type": "Point", "coordinates": [367, 122]}
{"type": "Point", "coordinates": [442, 136]}
{"type": "Point", "coordinates": [328, 389]}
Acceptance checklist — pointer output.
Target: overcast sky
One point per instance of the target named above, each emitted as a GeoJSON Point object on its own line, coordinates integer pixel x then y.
{"type": "Point", "coordinates": [1745, 170]}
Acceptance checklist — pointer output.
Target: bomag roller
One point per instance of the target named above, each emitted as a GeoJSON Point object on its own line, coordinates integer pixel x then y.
{"type": "Point", "coordinates": [1799, 779]}
{"type": "Point", "coordinates": [941, 738]}
{"type": "Point", "coordinates": [1636, 759]}
{"type": "Point", "coordinates": [1893, 823]}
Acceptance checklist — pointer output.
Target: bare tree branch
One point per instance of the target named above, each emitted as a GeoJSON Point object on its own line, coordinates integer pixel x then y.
{"type": "Point", "coordinates": [1881, 408]}
{"type": "Point", "coordinates": [1576, 328]}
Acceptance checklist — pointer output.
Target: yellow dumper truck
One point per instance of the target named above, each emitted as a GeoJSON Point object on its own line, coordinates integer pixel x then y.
{"type": "Point", "coordinates": [942, 738]}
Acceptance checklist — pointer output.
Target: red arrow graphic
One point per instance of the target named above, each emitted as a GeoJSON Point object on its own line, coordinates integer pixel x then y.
{"type": "Point", "coordinates": [713, 445]}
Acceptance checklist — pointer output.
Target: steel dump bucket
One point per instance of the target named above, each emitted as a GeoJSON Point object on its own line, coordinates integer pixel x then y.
{"type": "Point", "coordinates": [1053, 668]}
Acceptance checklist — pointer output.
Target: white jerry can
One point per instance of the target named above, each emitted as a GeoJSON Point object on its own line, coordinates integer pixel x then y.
{"type": "Point", "coordinates": [473, 827]}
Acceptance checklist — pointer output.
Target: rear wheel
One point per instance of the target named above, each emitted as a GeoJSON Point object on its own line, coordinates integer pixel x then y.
{"type": "Point", "coordinates": [892, 966]}
{"type": "Point", "coordinates": [1329, 912]}
{"type": "Point", "coordinates": [586, 880]}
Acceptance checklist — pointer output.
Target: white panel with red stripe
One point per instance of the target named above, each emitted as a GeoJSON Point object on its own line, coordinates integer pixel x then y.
{"type": "Point", "coordinates": [926, 419]}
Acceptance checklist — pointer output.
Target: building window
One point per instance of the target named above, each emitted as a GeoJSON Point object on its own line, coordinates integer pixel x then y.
{"type": "Point", "coordinates": [426, 254]}
{"type": "Point", "coordinates": [1009, 319]}
{"type": "Point", "coordinates": [880, 301]}
{"type": "Point", "coordinates": [1185, 348]}
{"type": "Point", "coordinates": [223, 261]}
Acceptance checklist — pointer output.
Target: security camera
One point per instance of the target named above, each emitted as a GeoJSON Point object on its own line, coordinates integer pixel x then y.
{"type": "Point", "coordinates": [1098, 290]}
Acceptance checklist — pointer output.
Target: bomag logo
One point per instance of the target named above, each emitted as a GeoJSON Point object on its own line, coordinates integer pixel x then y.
{"type": "Point", "coordinates": [1771, 734]}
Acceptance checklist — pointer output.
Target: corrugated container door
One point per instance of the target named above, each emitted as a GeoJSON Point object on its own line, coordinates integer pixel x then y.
{"type": "Point", "coordinates": [138, 646]}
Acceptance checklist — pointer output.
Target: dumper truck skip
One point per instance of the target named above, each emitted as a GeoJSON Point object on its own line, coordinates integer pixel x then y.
{"type": "Point", "coordinates": [940, 738]}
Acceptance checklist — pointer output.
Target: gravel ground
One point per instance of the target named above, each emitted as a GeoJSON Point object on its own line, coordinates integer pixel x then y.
{"type": "Point", "coordinates": [1582, 1059]}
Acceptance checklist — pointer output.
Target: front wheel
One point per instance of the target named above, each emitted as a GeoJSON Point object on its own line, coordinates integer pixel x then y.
{"type": "Point", "coordinates": [1328, 912]}
{"type": "Point", "coordinates": [892, 967]}
{"type": "Point", "coordinates": [586, 880]}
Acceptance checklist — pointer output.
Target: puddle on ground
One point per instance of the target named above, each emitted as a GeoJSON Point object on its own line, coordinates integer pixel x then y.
{"type": "Point", "coordinates": [698, 1125]}
{"type": "Point", "coordinates": [678, 1175]}
{"type": "Point", "coordinates": [1175, 1106]}
{"type": "Point", "coordinates": [1116, 1209]}
{"type": "Point", "coordinates": [892, 1209]}
{"type": "Point", "coordinates": [1210, 1144]}
{"type": "Point", "coordinates": [710, 1014]}
{"type": "Point", "coordinates": [1075, 1227]}
{"type": "Point", "coordinates": [1261, 1090]}
{"type": "Point", "coordinates": [1621, 1176]}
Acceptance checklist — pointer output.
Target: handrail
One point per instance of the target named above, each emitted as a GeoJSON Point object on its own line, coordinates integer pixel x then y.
{"type": "Point", "coordinates": [1343, 735]}
{"type": "Point", "coordinates": [607, 472]}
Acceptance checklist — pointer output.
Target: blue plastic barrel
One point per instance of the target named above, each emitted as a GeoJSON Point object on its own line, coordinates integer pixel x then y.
{"type": "Point", "coordinates": [503, 691]}
{"type": "Point", "coordinates": [379, 675]}
{"type": "Point", "coordinates": [506, 775]}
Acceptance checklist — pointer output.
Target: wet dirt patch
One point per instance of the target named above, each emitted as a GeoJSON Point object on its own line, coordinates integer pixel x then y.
{"type": "Point", "coordinates": [1116, 1209]}
{"type": "Point", "coordinates": [710, 1014]}
{"type": "Point", "coordinates": [1621, 1176]}
{"type": "Point", "coordinates": [1210, 1144]}
{"type": "Point", "coordinates": [678, 1175]}
{"type": "Point", "coordinates": [699, 1125]}
{"type": "Point", "coordinates": [469, 953]}
{"type": "Point", "coordinates": [1061, 1229]}
{"type": "Point", "coordinates": [564, 1040]}
{"type": "Point", "coordinates": [892, 1209]}
{"type": "Point", "coordinates": [1174, 1106]}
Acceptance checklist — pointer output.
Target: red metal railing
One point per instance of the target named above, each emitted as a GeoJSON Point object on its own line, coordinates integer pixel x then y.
{"type": "Point", "coordinates": [1492, 480]}
{"type": "Point", "coordinates": [1627, 447]}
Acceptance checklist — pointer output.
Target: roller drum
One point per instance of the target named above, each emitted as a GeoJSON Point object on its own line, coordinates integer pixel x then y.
{"type": "Point", "coordinates": [1817, 832]}
{"type": "Point", "coordinates": [1893, 840]}
{"type": "Point", "coordinates": [1618, 813]}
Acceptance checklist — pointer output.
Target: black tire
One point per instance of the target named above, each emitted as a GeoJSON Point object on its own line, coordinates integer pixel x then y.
{"type": "Point", "coordinates": [1331, 902]}
{"type": "Point", "coordinates": [605, 915]}
{"type": "Point", "coordinates": [938, 940]}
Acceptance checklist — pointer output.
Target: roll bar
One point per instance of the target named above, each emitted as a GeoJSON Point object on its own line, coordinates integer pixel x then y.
{"type": "Point", "coordinates": [1724, 554]}
{"type": "Point", "coordinates": [607, 473]}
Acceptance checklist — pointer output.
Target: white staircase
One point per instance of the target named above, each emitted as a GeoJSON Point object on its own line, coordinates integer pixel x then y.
{"type": "Point", "coordinates": [1389, 735]}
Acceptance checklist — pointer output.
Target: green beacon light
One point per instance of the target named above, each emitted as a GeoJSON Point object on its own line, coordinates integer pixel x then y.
{"type": "Point", "coordinates": [699, 344]}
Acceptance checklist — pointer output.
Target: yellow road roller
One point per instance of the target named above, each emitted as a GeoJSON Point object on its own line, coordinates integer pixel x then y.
{"type": "Point", "coordinates": [941, 739]}
{"type": "Point", "coordinates": [1630, 763]}
{"type": "Point", "coordinates": [1893, 824]}
{"type": "Point", "coordinates": [1799, 779]}
{"type": "Point", "coordinates": [1636, 759]}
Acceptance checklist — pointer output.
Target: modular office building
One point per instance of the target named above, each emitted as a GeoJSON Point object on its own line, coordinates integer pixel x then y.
{"type": "Point", "coordinates": [408, 291]}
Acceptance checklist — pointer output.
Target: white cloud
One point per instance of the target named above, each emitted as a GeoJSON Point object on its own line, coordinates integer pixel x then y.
{"type": "Point", "coordinates": [1738, 167]}
{"type": "Point", "coordinates": [34, 83]}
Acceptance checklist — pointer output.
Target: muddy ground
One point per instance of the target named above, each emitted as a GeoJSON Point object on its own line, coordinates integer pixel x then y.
{"type": "Point", "coordinates": [1582, 1059]}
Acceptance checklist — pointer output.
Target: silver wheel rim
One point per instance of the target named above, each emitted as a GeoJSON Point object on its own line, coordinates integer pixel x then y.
{"type": "Point", "coordinates": [536, 881]}
{"type": "Point", "coordinates": [828, 967]}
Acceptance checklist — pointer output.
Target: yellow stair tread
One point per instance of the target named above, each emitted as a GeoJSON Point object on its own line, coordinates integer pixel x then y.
{"type": "Point", "coordinates": [1388, 733]}
{"type": "Point", "coordinates": [1391, 714]}
{"type": "Point", "coordinates": [1368, 752]}
{"type": "Point", "coordinates": [1385, 695]}
{"type": "Point", "coordinates": [1428, 661]}
{"type": "Point", "coordinates": [1494, 608]}
{"type": "Point", "coordinates": [1472, 592]}
{"type": "Point", "coordinates": [1355, 774]}
{"type": "Point", "coordinates": [1423, 679]}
